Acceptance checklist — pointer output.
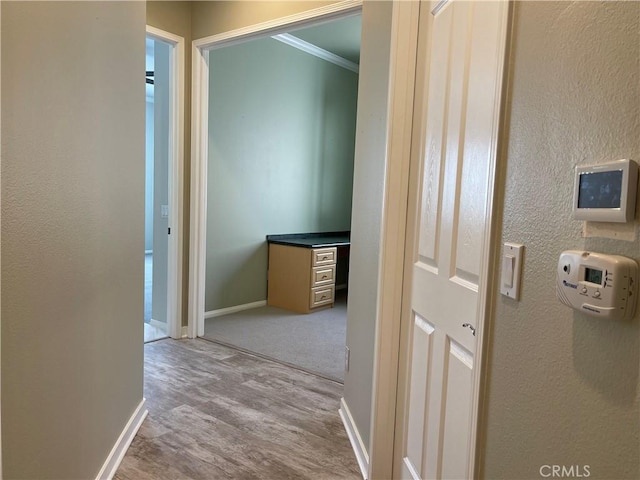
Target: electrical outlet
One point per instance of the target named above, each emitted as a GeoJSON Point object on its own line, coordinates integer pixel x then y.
{"type": "Point", "coordinates": [347, 353]}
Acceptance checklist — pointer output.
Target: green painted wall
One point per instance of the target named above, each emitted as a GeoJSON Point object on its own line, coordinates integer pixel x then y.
{"type": "Point", "coordinates": [281, 144]}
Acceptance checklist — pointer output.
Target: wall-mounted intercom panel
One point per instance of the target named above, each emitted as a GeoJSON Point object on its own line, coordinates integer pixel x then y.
{"type": "Point", "coordinates": [597, 284]}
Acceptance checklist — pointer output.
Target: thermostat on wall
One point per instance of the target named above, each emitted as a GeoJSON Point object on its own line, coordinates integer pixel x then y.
{"type": "Point", "coordinates": [606, 192]}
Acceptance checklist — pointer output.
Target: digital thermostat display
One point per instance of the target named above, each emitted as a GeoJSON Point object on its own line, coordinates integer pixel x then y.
{"type": "Point", "coordinates": [593, 275]}
{"type": "Point", "coordinates": [600, 190]}
{"type": "Point", "coordinates": [606, 192]}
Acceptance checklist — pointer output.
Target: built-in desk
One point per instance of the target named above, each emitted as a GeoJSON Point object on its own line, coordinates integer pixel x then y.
{"type": "Point", "coordinates": [303, 269]}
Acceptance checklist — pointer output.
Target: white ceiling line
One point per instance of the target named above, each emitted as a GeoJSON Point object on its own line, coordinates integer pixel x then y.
{"type": "Point", "coordinates": [317, 51]}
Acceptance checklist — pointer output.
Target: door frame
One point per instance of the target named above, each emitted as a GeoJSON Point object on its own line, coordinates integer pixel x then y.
{"type": "Point", "coordinates": [200, 139]}
{"type": "Point", "coordinates": [391, 301]}
{"type": "Point", "coordinates": [176, 173]}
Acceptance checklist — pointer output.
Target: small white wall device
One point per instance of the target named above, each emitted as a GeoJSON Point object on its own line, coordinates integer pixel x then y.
{"type": "Point", "coordinates": [597, 284]}
{"type": "Point", "coordinates": [606, 192]}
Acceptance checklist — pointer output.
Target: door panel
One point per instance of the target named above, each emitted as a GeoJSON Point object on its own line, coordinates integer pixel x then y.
{"type": "Point", "coordinates": [457, 114]}
{"type": "Point", "coordinates": [422, 347]}
{"type": "Point", "coordinates": [430, 221]}
{"type": "Point", "coordinates": [457, 408]}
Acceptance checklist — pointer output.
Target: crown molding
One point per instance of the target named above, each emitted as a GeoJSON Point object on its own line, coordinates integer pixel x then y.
{"type": "Point", "coordinates": [316, 51]}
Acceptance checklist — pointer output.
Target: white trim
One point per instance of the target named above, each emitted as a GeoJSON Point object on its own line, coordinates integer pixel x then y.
{"type": "Point", "coordinates": [280, 25]}
{"type": "Point", "coordinates": [158, 324]}
{"type": "Point", "coordinates": [164, 36]}
{"type": "Point", "coordinates": [411, 468]}
{"type": "Point", "coordinates": [237, 308]}
{"type": "Point", "coordinates": [176, 173]}
{"type": "Point", "coordinates": [200, 131]}
{"type": "Point", "coordinates": [404, 40]}
{"type": "Point", "coordinates": [121, 446]}
{"type": "Point", "coordinates": [438, 7]}
{"type": "Point", "coordinates": [183, 332]}
{"type": "Point", "coordinates": [354, 437]}
{"type": "Point", "coordinates": [199, 165]}
{"type": "Point", "coordinates": [316, 51]}
{"type": "Point", "coordinates": [491, 244]}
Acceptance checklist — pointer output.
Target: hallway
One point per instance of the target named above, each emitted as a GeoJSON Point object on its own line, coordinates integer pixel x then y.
{"type": "Point", "coordinates": [216, 413]}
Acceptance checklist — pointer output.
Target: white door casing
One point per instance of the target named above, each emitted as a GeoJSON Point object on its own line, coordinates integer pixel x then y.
{"type": "Point", "coordinates": [456, 119]}
{"type": "Point", "coordinates": [176, 169]}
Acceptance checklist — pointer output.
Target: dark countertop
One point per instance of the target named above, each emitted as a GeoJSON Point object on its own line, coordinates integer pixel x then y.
{"type": "Point", "coordinates": [312, 240]}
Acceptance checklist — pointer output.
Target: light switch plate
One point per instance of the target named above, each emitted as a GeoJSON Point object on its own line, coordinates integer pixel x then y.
{"type": "Point", "coordinates": [511, 266]}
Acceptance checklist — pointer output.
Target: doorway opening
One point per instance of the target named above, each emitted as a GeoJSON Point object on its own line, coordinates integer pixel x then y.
{"type": "Point", "coordinates": [163, 189]}
{"type": "Point", "coordinates": [205, 54]}
{"type": "Point", "coordinates": [282, 125]}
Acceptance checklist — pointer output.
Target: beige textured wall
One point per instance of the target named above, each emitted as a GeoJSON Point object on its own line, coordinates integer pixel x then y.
{"type": "Point", "coordinates": [563, 387]}
{"type": "Point", "coordinates": [72, 233]}
{"type": "Point", "coordinates": [366, 220]}
{"type": "Point", "coordinates": [175, 17]}
{"type": "Point", "coordinates": [210, 18]}
{"type": "Point", "coordinates": [0, 243]}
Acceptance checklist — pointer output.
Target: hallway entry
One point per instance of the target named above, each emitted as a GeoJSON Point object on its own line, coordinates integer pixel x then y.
{"type": "Point", "coordinates": [163, 177]}
{"type": "Point", "coordinates": [156, 190]}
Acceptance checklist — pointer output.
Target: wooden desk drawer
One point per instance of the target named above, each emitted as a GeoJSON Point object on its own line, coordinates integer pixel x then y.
{"type": "Point", "coordinates": [323, 275]}
{"type": "Point", "coordinates": [324, 256]}
{"type": "Point", "coordinates": [322, 296]}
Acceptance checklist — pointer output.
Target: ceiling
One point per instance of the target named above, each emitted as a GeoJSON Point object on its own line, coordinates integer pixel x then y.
{"type": "Point", "coordinates": [340, 37]}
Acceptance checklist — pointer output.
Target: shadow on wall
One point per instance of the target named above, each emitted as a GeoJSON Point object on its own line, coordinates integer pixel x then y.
{"type": "Point", "coordinates": [240, 268]}
{"type": "Point", "coordinates": [337, 144]}
{"type": "Point", "coordinates": [606, 356]}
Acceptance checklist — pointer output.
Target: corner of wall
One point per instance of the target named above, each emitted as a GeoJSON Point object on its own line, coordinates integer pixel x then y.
{"type": "Point", "coordinates": [359, 447]}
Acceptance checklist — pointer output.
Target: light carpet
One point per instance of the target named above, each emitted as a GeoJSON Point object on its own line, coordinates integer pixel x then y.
{"type": "Point", "coordinates": [314, 342]}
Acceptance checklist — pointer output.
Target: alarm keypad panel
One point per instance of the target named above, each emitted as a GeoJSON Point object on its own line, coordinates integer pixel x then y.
{"type": "Point", "coordinates": [598, 284]}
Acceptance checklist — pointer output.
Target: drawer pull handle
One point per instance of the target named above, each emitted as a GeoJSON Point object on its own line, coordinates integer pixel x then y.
{"type": "Point", "coordinates": [325, 257]}
{"type": "Point", "coordinates": [324, 276]}
{"type": "Point", "coordinates": [323, 297]}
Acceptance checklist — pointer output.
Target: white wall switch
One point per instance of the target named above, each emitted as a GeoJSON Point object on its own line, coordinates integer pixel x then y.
{"type": "Point", "coordinates": [164, 211]}
{"type": "Point", "coordinates": [508, 261]}
{"type": "Point", "coordinates": [511, 269]}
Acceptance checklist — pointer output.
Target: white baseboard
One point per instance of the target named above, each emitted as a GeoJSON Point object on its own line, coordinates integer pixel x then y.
{"type": "Point", "coordinates": [158, 324]}
{"type": "Point", "coordinates": [357, 444]}
{"type": "Point", "coordinates": [237, 308]}
{"type": "Point", "coordinates": [121, 446]}
{"type": "Point", "coordinates": [183, 332]}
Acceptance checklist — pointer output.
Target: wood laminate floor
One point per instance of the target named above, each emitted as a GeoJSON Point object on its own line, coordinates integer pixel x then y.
{"type": "Point", "coordinates": [218, 413]}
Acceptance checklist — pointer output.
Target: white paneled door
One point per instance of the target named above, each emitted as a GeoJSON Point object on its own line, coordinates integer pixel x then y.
{"type": "Point", "coordinates": [457, 112]}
